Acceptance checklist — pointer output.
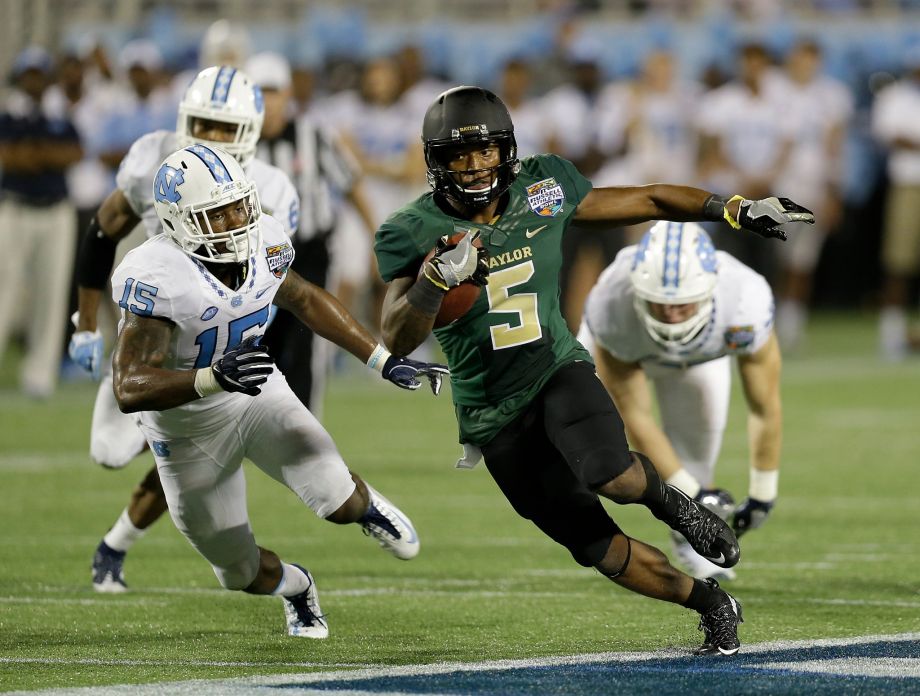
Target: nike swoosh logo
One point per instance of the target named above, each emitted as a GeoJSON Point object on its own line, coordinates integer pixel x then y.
{"type": "Point", "coordinates": [716, 559]}
{"type": "Point", "coordinates": [534, 233]}
{"type": "Point", "coordinates": [263, 291]}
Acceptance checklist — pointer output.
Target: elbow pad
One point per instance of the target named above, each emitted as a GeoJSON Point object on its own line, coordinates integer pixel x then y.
{"type": "Point", "coordinates": [95, 257]}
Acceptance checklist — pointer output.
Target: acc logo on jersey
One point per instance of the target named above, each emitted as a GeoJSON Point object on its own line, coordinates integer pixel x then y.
{"type": "Point", "coordinates": [164, 186]}
{"type": "Point", "coordinates": [279, 258]}
{"type": "Point", "coordinates": [545, 197]}
{"type": "Point", "coordinates": [739, 336]}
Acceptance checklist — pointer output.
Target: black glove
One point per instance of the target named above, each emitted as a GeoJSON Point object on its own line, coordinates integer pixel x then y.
{"type": "Point", "coordinates": [750, 515]}
{"type": "Point", "coordinates": [404, 373]}
{"type": "Point", "coordinates": [767, 216]}
{"type": "Point", "coordinates": [244, 368]}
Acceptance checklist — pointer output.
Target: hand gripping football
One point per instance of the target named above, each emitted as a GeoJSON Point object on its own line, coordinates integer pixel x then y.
{"type": "Point", "coordinates": [458, 300]}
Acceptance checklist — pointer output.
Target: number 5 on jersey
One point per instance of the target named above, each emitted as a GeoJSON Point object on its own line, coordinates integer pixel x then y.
{"type": "Point", "coordinates": [523, 304]}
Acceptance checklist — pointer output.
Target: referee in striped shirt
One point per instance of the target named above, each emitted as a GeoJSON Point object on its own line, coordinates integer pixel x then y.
{"type": "Point", "coordinates": [323, 171]}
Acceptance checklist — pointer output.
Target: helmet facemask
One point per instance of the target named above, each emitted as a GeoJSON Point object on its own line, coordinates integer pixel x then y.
{"type": "Point", "coordinates": [231, 246]}
{"type": "Point", "coordinates": [674, 264]}
{"type": "Point", "coordinates": [446, 181]}
{"type": "Point", "coordinates": [224, 95]}
{"type": "Point", "coordinates": [676, 335]}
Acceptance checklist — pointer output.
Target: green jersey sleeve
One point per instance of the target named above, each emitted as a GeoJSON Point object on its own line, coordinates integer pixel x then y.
{"type": "Point", "coordinates": [407, 236]}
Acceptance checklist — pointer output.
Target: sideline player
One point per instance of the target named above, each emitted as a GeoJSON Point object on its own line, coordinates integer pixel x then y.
{"type": "Point", "coordinates": [195, 301]}
{"type": "Point", "coordinates": [221, 106]}
{"type": "Point", "coordinates": [672, 311]}
{"type": "Point", "coordinates": [525, 390]}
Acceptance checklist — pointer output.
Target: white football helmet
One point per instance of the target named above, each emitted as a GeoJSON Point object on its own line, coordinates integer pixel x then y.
{"type": "Point", "coordinates": [195, 180]}
{"type": "Point", "coordinates": [675, 263]}
{"type": "Point", "coordinates": [227, 95]}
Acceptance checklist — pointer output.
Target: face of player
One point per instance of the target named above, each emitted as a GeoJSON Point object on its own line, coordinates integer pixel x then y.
{"type": "Point", "coordinates": [672, 313]}
{"type": "Point", "coordinates": [226, 218]}
{"type": "Point", "coordinates": [215, 131]}
{"type": "Point", "coordinates": [474, 165]}
{"type": "Point", "coordinates": [276, 104]}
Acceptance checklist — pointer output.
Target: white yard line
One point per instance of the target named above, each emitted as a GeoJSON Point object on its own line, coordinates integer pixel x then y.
{"type": "Point", "coordinates": [263, 684]}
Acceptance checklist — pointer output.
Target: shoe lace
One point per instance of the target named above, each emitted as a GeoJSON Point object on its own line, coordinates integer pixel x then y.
{"type": "Point", "coordinates": [376, 522]}
{"type": "Point", "coordinates": [720, 625]}
{"type": "Point", "coordinates": [305, 613]}
{"type": "Point", "coordinates": [696, 524]}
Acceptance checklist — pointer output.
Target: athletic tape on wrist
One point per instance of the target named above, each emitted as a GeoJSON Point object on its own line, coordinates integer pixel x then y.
{"type": "Point", "coordinates": [206, 382]}
{"type": "Point", "coordinates": [378, 358]}
{"type": "Point", "coordinates": [728, 216]}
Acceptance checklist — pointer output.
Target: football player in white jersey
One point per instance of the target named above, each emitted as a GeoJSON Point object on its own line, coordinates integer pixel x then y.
{"type": "Point", "coordinates": [195, 301]}
{"type": "Point", "coordinates": [221, 105]}
{"type": "Point", "coordinates": [672, 311]}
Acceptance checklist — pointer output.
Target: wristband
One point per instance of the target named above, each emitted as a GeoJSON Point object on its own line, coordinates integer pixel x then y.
{"type": "Point", "coordinates": [425, 296]}
{"type": "Point", "coordinates": [763, 485]}
{"type": "Point", "coordinates": [716, 208]}
{"type": "Point", "coordinates": [206, 382]}
{"type": "Point", "coordinates": [378, 358]}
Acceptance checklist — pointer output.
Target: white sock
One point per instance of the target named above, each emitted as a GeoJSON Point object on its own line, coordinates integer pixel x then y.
{"type": "Point", "coordinates": [892, 328]}
{"type": "Point", "coordinates": [791, 316]}
{"type": "Point", "coordinates": [683, 480]}
{"type": "Point", "coordinates": [123, 533]}
{"type": "Point", "coordinates": [293, 581]}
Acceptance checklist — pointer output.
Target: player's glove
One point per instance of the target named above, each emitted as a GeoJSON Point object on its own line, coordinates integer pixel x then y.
{"type": "Point", "coordinates": [244, 368]}
{"type": "Point", "coordinates": [404, 373]}
{"type": "Point", "coordinates": [453, 264]}
{"type": "Point", "coordinates": [750, 514]}
{"type": "Point", "coordinates": [765, 217]}
{"type": "Point", "coordinates": [85, 349]}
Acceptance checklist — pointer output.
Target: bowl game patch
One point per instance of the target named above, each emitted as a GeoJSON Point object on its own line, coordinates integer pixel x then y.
{"type": "Point", "coordinates": [279, 258]}
{"type": "Point", "coordinates": [545, 197]}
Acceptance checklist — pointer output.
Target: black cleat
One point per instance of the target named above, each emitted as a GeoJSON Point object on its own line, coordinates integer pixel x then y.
{"type": "Point", "coordinates": [108, 572]}
{"type": "Point", "coordinates": [708, 534]}
{"type": "Point", "coordinates": [720, 626]}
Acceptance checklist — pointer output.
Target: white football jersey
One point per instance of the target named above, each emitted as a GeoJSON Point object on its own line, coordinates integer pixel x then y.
{"type": "Point", "coordinates": [741, 321]}
{"type": "Point", "coordinates": [139, 167]}
{"type": "Point", "coordinates": [158, 279]}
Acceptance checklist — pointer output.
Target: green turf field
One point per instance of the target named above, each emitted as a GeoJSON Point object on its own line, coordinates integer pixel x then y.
{"type": "Point", "coordinates": [839, 558]}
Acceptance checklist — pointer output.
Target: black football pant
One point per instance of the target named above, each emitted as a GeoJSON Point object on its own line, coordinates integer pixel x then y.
{"type": "Point", "coordinates": [548, 462]}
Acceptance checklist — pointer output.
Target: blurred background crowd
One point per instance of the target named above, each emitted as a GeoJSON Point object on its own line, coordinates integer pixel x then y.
{"type": "Point", "coordinates": [816, 100]}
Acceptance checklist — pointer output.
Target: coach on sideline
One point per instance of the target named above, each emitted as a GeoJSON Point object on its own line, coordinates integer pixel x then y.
{"type": "Point", "coordinates": [37, 221]}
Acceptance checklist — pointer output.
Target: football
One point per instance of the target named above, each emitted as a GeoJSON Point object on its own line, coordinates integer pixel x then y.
{"type": "Point", "coordinates": [458, 300]}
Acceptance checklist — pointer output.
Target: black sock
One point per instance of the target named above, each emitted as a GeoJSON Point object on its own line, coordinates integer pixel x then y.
{"type": "Point", "coordinates": [704, 597]}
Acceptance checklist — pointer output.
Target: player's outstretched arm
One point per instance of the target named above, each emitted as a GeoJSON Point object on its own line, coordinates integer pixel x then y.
{"type": "Point", "coordinates": [140, 383]}
{"type": "Point", "coordinates": [760, 378]}
{"type": "Point", "coordinates": [323, 313]}
{"type": "Point", "coordinates": [628, 205]}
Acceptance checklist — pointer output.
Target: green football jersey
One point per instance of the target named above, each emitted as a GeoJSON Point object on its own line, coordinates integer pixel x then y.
{"type": "Point", "coordinates": [514, 338]}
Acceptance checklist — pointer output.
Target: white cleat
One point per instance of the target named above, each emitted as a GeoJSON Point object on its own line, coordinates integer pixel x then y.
{"type": "Point", "coordinates": [388, 525]}
{"type": "Point", "coordinates": [697, 566]}
{"type": "Point", "coordinates": [302, 612]}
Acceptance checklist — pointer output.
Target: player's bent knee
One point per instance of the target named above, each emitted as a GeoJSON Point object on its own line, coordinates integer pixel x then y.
{"type": "Point", "coordinates": [591, 553]}
{"type": "Point", "coordinates": [237, 576]}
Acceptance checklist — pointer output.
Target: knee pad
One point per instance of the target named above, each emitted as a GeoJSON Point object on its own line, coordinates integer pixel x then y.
{"type": "Point", "coordinates": [115, 452]}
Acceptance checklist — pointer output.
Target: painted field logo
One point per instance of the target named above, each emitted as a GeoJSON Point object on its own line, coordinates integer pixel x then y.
{"type": "Point", "coordinates": [545, 197]}
{"type": "Point", "coordinates": [279, 257]}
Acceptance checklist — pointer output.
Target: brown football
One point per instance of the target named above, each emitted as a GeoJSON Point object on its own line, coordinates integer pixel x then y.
{"type": "Point", "coordinates": [458, 300]}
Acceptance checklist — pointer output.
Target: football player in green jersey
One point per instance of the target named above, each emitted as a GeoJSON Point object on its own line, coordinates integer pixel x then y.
{"type": "Point", "coordinates": [526, 393]}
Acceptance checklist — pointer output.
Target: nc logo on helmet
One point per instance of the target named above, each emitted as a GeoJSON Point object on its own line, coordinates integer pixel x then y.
{"type": "Point", "coordinates": [164, 186]}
